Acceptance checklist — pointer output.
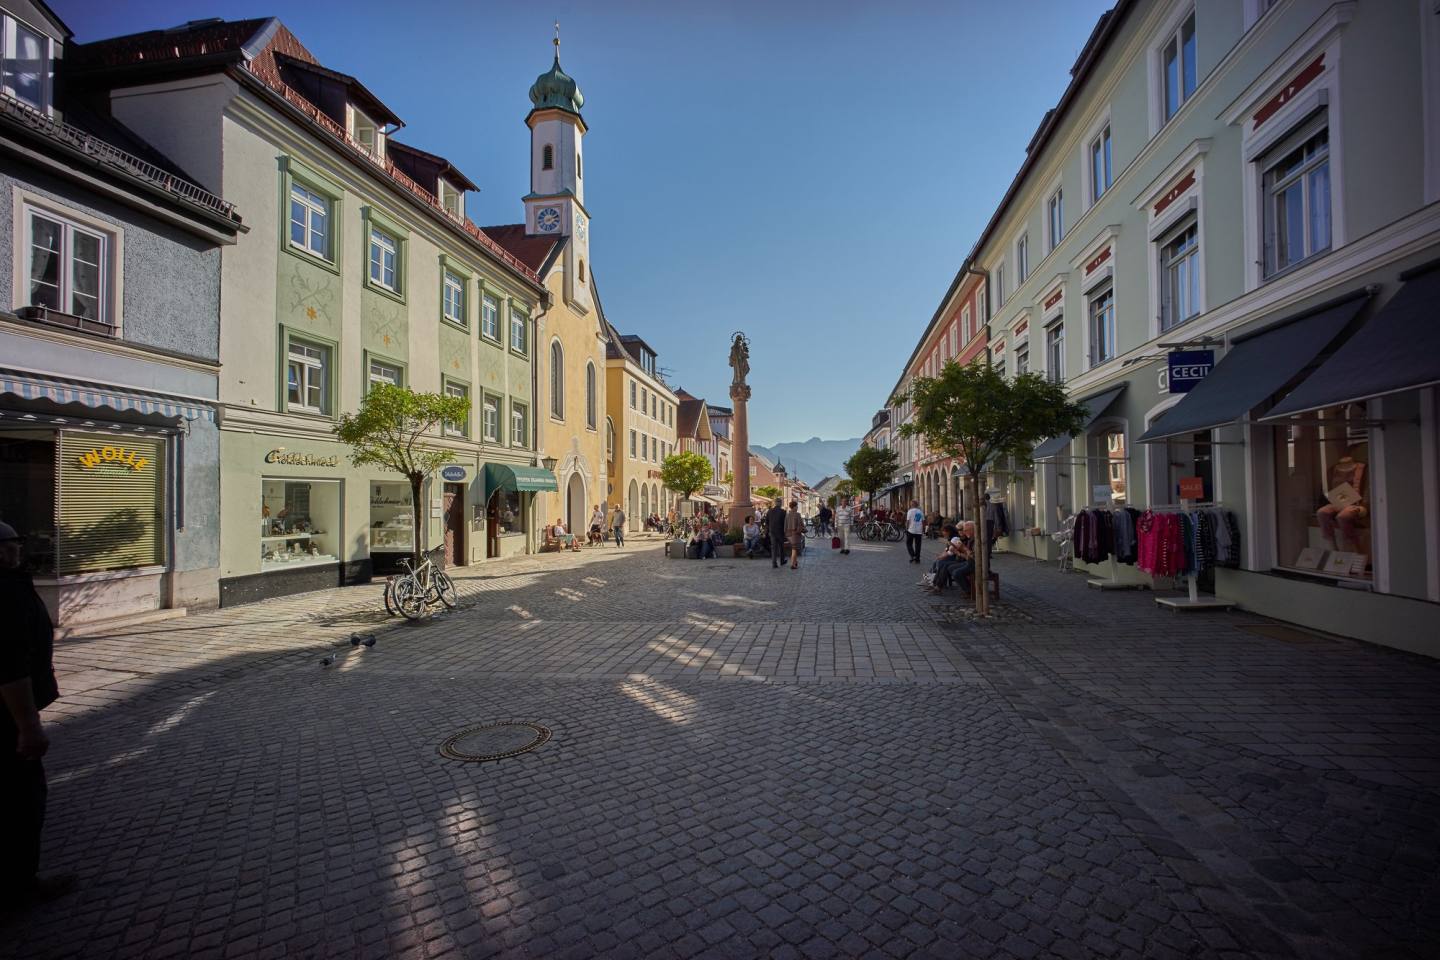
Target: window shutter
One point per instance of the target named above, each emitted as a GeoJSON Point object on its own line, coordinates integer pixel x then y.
{"type": "Point", "coordinates": [112, 503]}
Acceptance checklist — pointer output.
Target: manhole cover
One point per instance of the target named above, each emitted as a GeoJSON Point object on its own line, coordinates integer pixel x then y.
{"type": "Point", "coordinates": [494, 741]}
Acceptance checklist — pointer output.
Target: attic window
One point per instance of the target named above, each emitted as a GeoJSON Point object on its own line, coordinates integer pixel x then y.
{"type": "Point", "coordinates": [365, 133]}
{"type": "Point", "coordinates": [547, 158]}
{"type": "Point", "coordinates": [450, 199]}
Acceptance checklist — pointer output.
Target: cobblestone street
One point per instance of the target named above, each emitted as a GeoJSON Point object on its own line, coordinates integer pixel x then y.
{"type": "Point", "coordinates": [745, 762]}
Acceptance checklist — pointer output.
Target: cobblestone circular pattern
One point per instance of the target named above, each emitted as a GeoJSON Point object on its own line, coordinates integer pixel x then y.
{"type": "Point", "coordinates": [494, 741]}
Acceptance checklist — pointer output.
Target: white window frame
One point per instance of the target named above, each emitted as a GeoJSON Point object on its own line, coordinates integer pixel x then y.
{"type": "Point", "coordinates": [1055, 367]}
{"type": "Point", "coordinates": [965, 322]}
{"type": "Point", "coordinates": [314, 204]}
{"type": "Point", "coordinates": [634, 394]}
{"type": "Point", "coordinates": [519, 331]}
{"type": "Point", "coordinates": [490, 418]}
{"type": "Point", "coordinates": [1101, 131]}
{"type": "Point", "coordinates": [999, 274]}
{"type": "Point", "coordinates": [519, 424]}
{"type": "Point", "coordinates": [373, 377]}
{"type": "Point", "coordinates": [365, 133]}
{"type": "Point", "coordinates": [1164, 270]}
{"type": "Point", "coordinates": [1055, 217]}
{"type": "Point", "coordinates": [1297, 138]}
{"type": "Point", "coordinates": [450, 388]}
{"type": "Point", "coordinates": [1324, 39]}
{"type": "Point", "coordinates": [634, 445]}
{"type": "Point", "coordinates": [1097, 293]}
{"type": "Point", "coordinates": [1169, 30]}
{"type": "Point", "coordinates": [454, 295]}
{"type": "Point", "coordinates": [557, 380]}
{"type": "Point", "coordinates": [452, 199]}
{"type": "Point", "coordinates": [1022, 259]}
{"type": "Point", "coordinates": [10, 26]}
{"type": "Point", "coordinates": [312, 356]}
{"type": "Point", "coordinates": [1182, 208]}
{"type": "Point", "coordinates": [1022, 352]}
{"type": "Point", "coordinates": [381, 242]}
{"type": "Point", "coordinates": [110, 237]}
{"type": "Point", "coordinates": [591, 400]}
{"type": "Point", "coordinates": [489, 318]}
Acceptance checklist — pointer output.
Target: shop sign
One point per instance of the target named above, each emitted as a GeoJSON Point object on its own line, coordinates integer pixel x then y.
{"type": "Point", "coordinates": [279, 455]}
{"type": "Point", "coordinates": [1186, 368]}
{"type": "Point", "coordinates": [1192, 488]}
{"type": "Point", "coordinates": [453, 474]}
{"type": "Point", "coordinates": [116, 455]}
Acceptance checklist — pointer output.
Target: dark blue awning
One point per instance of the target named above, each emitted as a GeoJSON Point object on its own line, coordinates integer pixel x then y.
{"type": "Point", "coordinates": [1098, 404]}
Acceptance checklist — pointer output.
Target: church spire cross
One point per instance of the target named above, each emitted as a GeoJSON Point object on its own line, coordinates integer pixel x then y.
{"type": "Point", "coordinates": [556, 41]}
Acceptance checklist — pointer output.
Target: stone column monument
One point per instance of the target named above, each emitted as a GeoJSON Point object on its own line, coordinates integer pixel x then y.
{"type": "Point", "coordinates": [740, 503]}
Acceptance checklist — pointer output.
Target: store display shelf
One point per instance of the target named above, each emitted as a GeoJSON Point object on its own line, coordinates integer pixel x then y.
{"type": "Point", "coordinates": [292, 536]}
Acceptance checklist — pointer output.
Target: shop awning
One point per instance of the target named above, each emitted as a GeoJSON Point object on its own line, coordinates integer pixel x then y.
{"type": "Point", "coordinates": [62, 391]}
{"type": "Point", "coordinates": [1098, 404]}
{"type": "Point", "coordinates": [1399, 349]}
{"type": "Point", "coordinates": [503, 476]}
{"type": "Point", "coordinates": [1256, 367]}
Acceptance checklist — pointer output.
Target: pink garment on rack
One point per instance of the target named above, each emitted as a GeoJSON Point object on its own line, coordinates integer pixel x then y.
{"type": "Point", "coordinates": [1161, 548]}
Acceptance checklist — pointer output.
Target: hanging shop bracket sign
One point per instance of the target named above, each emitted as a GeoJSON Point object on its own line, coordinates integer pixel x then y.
{"type": "Point", "coordinates": [1187, 368]}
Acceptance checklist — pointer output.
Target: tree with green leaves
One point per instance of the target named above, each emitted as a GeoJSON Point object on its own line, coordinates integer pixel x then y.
{"type": "Point", "coordinates": [978, 416]}
{"type": "Point", "coordinates": [871, 468]}
{"type": "Point", "coordinates": [769, 491]}
{"type": "Point", "coordinates": [685, 472]}
{"type": "Point", "coordinates": [393, 428]}
{"type": "Point", "coordinates": [845, 490]}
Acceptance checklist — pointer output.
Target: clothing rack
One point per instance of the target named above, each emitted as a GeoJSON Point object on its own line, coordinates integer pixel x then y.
{"type": "Point", "coordinates": [1193, 600]}
{"type": "Point", "coordinates": [1113, 582]}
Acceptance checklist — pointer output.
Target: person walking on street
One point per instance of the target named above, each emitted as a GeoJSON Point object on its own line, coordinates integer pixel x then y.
{"type": "Point", "coordinates": [27, 683]}
{"type": "Point", "coordinates": [914, 530]}
{"type": "Point", "coordinates": [795, 533]}
{"type": "Point", "coordinates": [775, 526]}
{"type": "Point", "coordinates": [844, 520]}
{"type": "Point", "coordinates": [617, 525]}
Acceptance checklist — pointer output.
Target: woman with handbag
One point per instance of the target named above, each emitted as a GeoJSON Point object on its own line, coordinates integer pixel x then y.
{"type": "Point", "coordinates": [795, 533]}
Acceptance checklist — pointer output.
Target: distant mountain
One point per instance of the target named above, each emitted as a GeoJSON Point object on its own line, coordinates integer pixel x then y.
{"type": "Point", "coordinates": [813, 460]}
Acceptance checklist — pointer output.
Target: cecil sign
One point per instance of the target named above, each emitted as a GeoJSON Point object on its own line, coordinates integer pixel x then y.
{"type": "Point", "coordinates": [1189, 367]}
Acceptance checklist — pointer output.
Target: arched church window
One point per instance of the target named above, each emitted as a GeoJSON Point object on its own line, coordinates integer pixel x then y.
{"type": "Point", "coordinates": [590, 395]}
{"type": "Point", "coordinates": [547, 158]}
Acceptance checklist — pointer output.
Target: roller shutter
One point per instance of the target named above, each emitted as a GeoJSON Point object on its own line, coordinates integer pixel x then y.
{"type": "Point", "coordinates": [112, 503]}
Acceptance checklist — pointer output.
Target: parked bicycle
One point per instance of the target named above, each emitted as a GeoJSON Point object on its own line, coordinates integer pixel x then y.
{"type": "Point", "coordinates": [411, 592]}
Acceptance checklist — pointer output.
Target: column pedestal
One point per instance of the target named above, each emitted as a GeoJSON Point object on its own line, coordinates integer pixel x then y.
{"type": "Point", "coordinates": [740, 503]}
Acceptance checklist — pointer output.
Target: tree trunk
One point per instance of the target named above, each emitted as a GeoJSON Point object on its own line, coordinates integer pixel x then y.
{"type": "Point", "coordinates": [416, 482]}
{"type": "Point", "coordinates": [982, 553]}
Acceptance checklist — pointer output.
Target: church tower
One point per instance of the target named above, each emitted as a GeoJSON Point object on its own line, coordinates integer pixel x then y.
{"type": "Point", "coordinates": [555, 205]}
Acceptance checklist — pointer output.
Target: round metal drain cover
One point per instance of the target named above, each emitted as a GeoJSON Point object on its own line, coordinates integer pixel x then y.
{"type": "Point", "coordinates": [494, 741]}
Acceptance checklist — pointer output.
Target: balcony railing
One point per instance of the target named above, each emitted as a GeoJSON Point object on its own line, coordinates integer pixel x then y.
{"type": "Point", "coordinates": [113, 156]}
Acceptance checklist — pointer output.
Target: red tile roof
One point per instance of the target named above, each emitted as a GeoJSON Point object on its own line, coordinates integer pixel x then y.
{"type": "Point", "coordinates": [252, 46]}
{"type": "Point", "coordinates": [530, 250]}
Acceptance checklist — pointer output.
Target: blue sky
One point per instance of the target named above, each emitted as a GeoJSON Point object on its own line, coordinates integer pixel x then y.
{"type": "Point", "coordinates": [809, 172]}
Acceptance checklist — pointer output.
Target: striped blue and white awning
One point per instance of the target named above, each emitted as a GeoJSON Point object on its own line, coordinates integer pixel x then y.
{"type": "Point", "coordinates": [124, 399]}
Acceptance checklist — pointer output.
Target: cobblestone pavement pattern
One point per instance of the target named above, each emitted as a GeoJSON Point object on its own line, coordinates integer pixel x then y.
{"type": "Point", "coordinates": [745, 762]}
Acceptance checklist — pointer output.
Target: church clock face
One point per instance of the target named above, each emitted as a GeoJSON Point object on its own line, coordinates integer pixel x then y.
{"type": "Point", "coordinates": [579, 226]}
{"type": "Point", "coordinates": [548, 219]}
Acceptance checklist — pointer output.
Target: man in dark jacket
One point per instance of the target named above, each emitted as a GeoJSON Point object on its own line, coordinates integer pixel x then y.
{"type": "Point", "coordinates": [27, 685]}
{"type": "Point", "coordinates": [775, 526]}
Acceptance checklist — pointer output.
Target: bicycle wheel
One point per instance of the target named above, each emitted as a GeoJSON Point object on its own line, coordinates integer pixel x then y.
{"type": "Point", "coordinates": [894, 534]}
{"type": "Point", "coordinates": [409, 598]}
{"type": "Point", "coordinates": [390, 607]}
{"type": "Point", "coordinates": [444, 588]}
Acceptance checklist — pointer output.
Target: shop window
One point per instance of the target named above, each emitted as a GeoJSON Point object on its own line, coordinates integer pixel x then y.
{"type": "Point", "coordinates": [67, 267]}
{"type": "Point", "coordinates": [307, 377]}
{"type": "Point", "coordinates": [299, 523]}
{"type": "Point", "coordinates": [28, 493]}
{"type": "Point", "coordinates": [1102, 326]}
{"type": "Point", "coordinates": [392, 518]}
{"type": "Point", "coordinates": [507, 512]}
{"type": "Point", "coordinates": [1179, 276]}
{"type": "Point", "coordinates": [490, 316]}
{"type": "Point", "coordinates": [1322, 494]}
{"type": "Point", "coordinates": [1296, 199]}
{"type": "Point", "coordinates": [112, 503]}
{"type": "Point", "coordinates": [1191, 455]}
{"type": "Point", "coordinates": [1109, 463]}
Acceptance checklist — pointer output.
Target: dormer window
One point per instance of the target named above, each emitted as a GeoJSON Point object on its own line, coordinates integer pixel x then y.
{"type": "Point", "coordinates": [25, 64]}
{"type": "Point", "coordinates": [547, 158]}
{"type": "Point", "coordinates": [366, 133]}
{"type": "Point", "coordinates": [451, 199]}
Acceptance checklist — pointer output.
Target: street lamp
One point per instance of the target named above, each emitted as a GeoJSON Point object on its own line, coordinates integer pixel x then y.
{"type": "Point", "coordinates": [548, 463]}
